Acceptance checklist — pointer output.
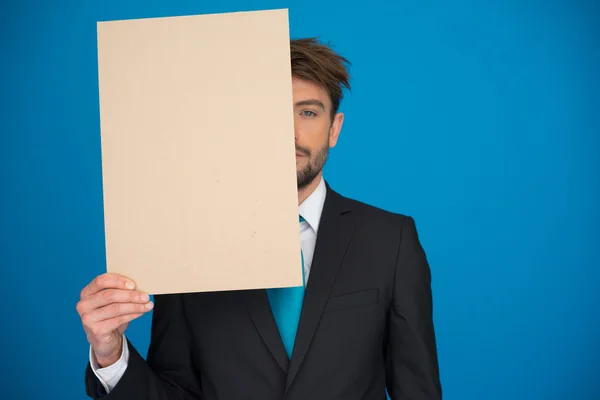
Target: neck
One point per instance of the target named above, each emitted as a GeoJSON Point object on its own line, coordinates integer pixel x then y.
{"type": "Point", "coordinates": [308, 189]}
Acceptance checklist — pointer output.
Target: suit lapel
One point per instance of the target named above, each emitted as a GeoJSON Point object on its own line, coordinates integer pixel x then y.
{"type": "Point", "coordinates": [259, 308]}
{"type": "Point", "coordinates": [335, 233]}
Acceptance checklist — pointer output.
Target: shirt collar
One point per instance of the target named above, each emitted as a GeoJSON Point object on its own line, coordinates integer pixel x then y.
{"type": "Point", "coordinates": [312, 207]}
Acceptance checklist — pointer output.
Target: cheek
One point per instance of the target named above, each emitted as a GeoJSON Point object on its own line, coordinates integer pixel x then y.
{"type": "Point", "coordinates": [310, 131]}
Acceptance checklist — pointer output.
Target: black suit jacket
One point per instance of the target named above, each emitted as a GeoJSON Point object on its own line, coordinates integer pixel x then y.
{"type": "Point", "coordinates": [366, 324]}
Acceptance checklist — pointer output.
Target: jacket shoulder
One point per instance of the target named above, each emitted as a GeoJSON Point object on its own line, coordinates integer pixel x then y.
{"type": "Point", "coordinates": [364, 207]}
{"type": "Point", "coordinates": [372, 214]}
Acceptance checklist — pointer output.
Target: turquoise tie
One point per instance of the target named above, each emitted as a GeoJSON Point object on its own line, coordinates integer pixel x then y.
{"type": "Point", "coordinates": [286, 305]}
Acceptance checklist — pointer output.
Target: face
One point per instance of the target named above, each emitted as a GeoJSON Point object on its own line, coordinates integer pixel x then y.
{"type": "Point", "coordinates": [315, 130]}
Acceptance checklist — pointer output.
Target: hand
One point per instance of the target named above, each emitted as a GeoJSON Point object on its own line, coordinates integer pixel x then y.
{"type": "Point", "coordinates": [106, 307]}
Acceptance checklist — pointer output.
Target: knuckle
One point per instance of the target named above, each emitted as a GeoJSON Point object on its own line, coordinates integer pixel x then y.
{"type": "Point", "coordinates": [85, 319]}
{"type": "Point", "coordinates": [97, 281]}
{"type": "Point", "coordinates": [106, 281]}
{"type": "Point", "coordinates": [103, 280]}
{"type": "Point", "coordinates": [106, 295]}
{"type": "Point", "coordinates": [115, 308]}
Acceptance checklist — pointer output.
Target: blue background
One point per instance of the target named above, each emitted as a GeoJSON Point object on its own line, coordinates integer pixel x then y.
{"type": "Point", "coordinates": [479, 119]}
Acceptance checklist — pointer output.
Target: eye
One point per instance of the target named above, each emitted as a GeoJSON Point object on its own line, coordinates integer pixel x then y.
{"type": "Point", "coordinates": [309, 113]}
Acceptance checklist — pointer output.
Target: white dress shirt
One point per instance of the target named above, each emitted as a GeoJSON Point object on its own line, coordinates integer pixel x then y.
{"type": "Point", "coordinates": [310, 210]}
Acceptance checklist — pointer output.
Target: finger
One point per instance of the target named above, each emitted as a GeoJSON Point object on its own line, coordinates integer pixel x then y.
{"type": "Point", "coordinates": [110, 325]}
{"type": "Point", "coordinates": [107, 281]}
{"type": "Point", "coordinates": [115, 310]}
{"type": "Point", "coordinates": [109, 296]}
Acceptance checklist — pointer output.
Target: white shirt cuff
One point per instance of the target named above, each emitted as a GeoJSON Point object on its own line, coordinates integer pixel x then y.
{"type": "Point", "coordinates": [110, 376]}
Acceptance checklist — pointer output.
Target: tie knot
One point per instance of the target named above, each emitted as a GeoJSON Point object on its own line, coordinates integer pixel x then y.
{"type": "Point", "coordinates": [302, 218]}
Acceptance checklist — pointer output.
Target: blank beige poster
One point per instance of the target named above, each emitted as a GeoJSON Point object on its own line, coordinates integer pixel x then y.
{"type": "Point", "coordinates": [198, 155]}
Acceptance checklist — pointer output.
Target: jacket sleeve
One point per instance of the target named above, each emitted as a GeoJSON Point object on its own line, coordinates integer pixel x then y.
{"type": "Point", "coordinates": [168, 373]}
{"type": "Point", "coordinates": [411, 357]}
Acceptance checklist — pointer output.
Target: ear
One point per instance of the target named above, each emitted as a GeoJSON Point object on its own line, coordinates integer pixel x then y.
{"type": "Point", "coordinates": [335, 129]}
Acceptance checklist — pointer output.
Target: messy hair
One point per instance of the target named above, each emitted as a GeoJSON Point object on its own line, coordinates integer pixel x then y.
{"type": "Point", "coordinates": [318, 63]}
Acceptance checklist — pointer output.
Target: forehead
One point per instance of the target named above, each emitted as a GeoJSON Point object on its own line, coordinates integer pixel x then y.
{"type": "Point", "coordinates": [305, 90]}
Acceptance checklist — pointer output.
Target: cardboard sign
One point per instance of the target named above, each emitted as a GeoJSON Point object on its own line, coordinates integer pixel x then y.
{"type": "Point", "coordinates": [198, 155]}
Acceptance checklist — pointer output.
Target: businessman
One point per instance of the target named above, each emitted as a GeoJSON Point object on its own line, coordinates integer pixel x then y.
{"type": "Point", "coordinates": [361, 323]}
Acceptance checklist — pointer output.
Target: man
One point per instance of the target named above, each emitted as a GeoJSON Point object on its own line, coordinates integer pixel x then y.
{"type": "Point", "coordinates": [361, 323]}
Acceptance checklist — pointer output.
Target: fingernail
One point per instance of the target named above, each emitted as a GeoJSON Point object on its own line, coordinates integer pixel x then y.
{"type": "Point", "coordinates": [145, 297]}
{"type": "Point", "coordinates": [149, 305]}
{"type": "Point", "coordinates": [130, 285]}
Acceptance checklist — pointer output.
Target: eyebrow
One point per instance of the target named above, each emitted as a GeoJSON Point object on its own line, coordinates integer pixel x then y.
{"type": "Point", "coordinates": [311, 102]}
